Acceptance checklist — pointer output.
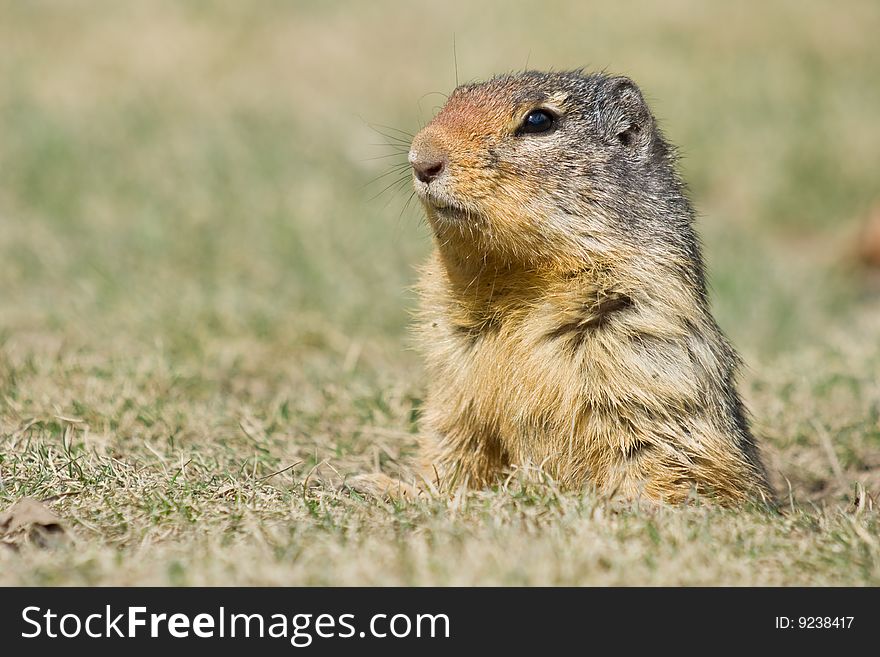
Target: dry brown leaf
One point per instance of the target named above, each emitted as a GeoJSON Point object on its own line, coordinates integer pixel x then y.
{"type": "Point", "coordinates": [30, 521]}
{"type": "Point", "coordinates": [868, 246]}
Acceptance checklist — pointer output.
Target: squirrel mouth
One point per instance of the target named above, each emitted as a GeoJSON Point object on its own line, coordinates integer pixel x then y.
{"type": "Point", "coordinates": [441, 204]}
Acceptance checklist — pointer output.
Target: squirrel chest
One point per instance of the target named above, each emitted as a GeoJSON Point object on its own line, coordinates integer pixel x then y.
{"type": "Point", "coordinates": [545, 369]}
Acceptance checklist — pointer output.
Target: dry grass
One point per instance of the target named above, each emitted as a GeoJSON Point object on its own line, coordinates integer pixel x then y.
{"type": "Point", "coordinates": [202, 324]}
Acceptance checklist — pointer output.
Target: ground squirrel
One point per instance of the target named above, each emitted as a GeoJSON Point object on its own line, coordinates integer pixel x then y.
{"type": "Point", "coordinates": [564, 316]}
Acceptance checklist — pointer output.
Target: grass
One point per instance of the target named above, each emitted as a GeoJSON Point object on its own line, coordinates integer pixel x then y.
{"type": "Point", "coordinates": [204, 308]}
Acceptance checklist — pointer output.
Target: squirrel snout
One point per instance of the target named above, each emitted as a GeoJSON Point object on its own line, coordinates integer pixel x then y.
{"type": "Point", "coordinates": [427, 162]}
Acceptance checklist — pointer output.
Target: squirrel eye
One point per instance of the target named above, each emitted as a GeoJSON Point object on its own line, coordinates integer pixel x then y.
{"type": "Point", "coordinates": [537, 121]}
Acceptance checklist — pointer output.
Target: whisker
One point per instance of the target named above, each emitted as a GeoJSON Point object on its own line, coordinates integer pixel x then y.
{"type": "Point", "coordinates": [399, 165]}
{"type": "Point", "coordinates": [388, 127]}
{"type": "Point", "coordinates": [455, 59]}
{"type": "Point", "coordinates": [375, 128]}
{"type": "Point", "coordinates": [398, 147]}
{"type": "Point", "coordinates": [399, 181]}
{"type": "Point", "coordinates": [403, 209]}
{"type": "Point", "coordinates": [380, 157]}
{"type": "Point", "coordinates": [396, 169]}
{"type": "Point", "coordinates": [433, 93]}
{"type": "Point", "coordinates": [412, 195]}
{"type": "Point", "coordinates": [394, 138]}
{"type": "Point", "coordinates": [419, 104]}
{"type": "Point", "coordinates": [393, 194]}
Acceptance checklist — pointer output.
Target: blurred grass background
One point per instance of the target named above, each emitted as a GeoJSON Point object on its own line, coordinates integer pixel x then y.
{"type": "Point", "coordinates": [195, 264]}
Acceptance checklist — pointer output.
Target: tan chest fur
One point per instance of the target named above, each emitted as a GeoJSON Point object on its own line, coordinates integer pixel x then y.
{"type": "Point", "coordinates": [574, 375]}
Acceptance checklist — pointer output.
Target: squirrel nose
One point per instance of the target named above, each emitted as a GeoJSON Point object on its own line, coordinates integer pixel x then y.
{"type": "Point", "coordinates": [427, 164]}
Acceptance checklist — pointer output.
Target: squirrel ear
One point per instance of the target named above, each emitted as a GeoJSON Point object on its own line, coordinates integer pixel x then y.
{"type": "Point", "coordinates": [624, 115]}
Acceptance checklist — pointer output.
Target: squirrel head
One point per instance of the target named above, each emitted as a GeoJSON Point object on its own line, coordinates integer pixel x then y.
{"type": "Point", "coordinates": [544, 169]}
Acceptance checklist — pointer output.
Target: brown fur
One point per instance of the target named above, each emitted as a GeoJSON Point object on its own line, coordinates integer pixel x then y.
{"type": "Point", "coordinates": [563, 313]}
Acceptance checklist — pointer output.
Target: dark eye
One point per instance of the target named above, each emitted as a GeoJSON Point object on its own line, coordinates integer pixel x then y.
{"type": "Point", "coordinates": [537, 121]}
